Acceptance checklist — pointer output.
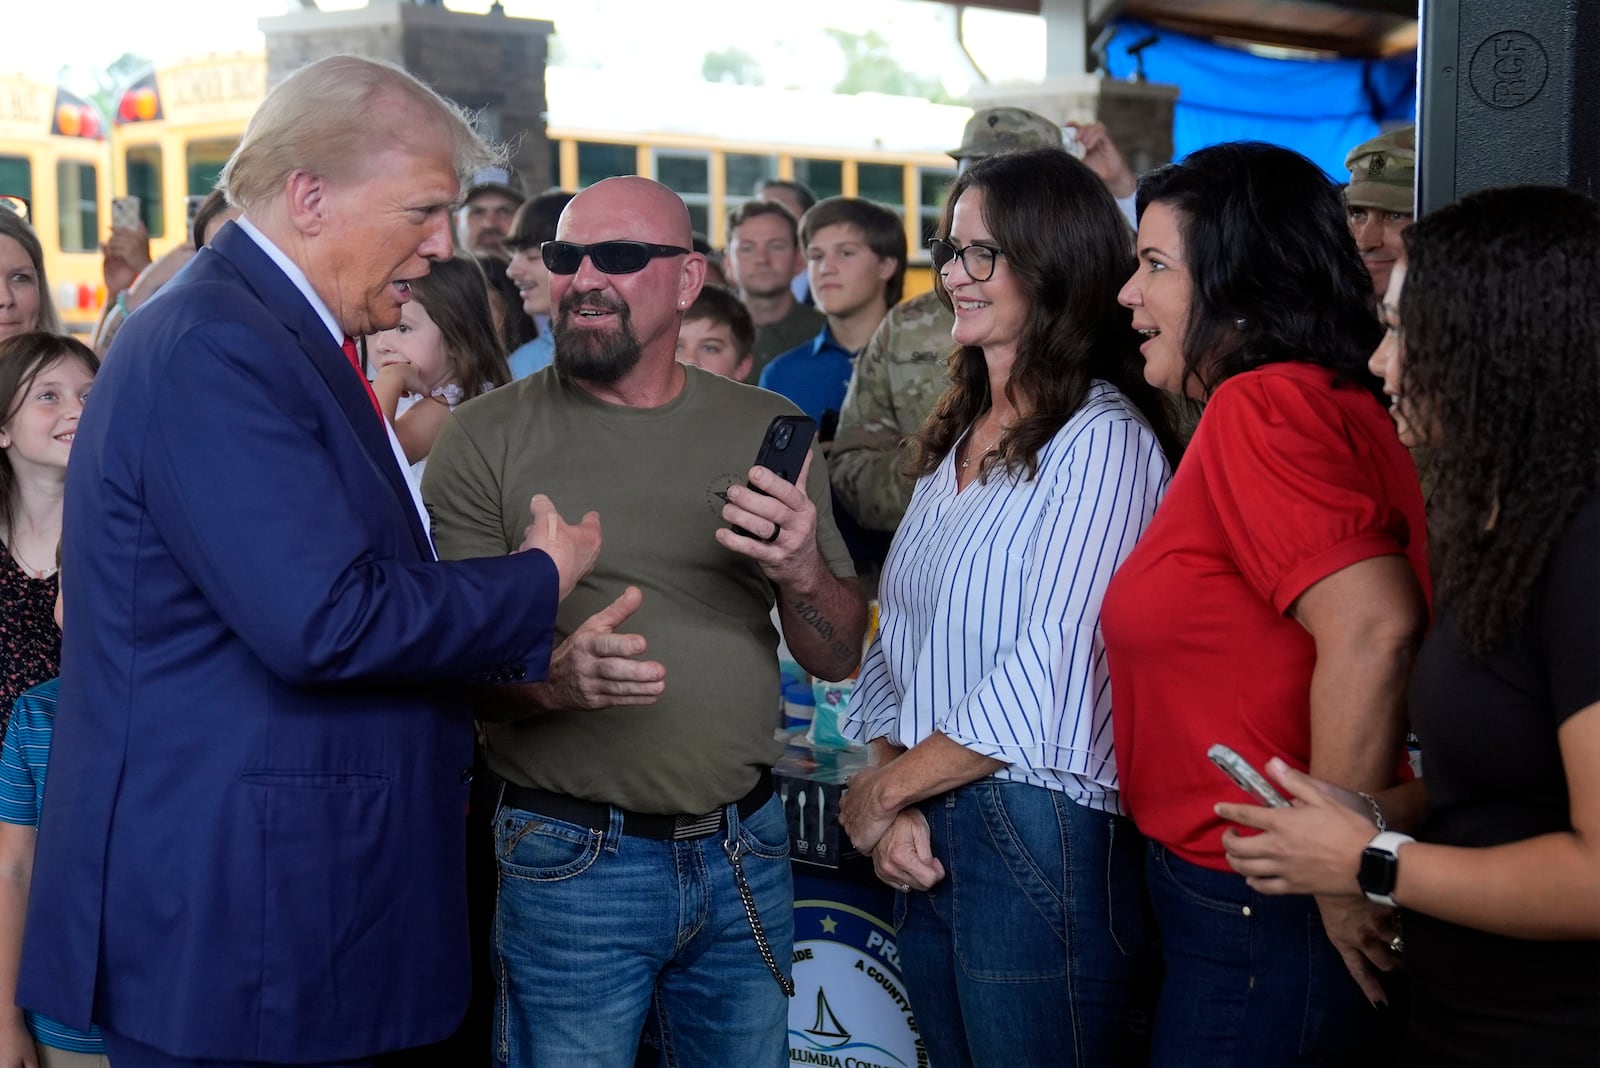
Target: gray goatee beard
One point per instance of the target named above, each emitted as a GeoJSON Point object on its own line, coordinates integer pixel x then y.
{"type": "Point", "coordinates": [602, 357]}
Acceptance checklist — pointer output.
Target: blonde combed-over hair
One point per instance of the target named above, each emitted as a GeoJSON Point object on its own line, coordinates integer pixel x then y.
{"type": "Point", "coordinates": [330, 115]}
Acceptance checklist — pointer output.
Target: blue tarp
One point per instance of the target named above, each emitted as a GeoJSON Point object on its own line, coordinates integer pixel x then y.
{"type": "Point", "coordinates": [1322, 108]}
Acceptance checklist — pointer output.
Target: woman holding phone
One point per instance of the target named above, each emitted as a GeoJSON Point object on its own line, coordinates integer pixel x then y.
{"type": "Point", "coordinates": [993, 803]}
{"type": "Point", "coordinates": [1500, 890]}
{"type": "Point", "coordinates": [1275, 603]}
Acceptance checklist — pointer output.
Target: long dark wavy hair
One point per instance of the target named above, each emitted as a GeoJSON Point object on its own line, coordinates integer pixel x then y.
{"type": "Point", "coordinates": [22, 358]}
{"type": "Point", "coordinates": [1277, 276]}
{"type": "Point", "coordinates": [455, 293]}
{"type": "Point", "coordinates": [1070, 250]}
{"type": "Point", "coordinates": [1500, 319]}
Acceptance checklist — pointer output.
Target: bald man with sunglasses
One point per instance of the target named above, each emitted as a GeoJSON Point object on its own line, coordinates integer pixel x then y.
{"type": "Point", "coordinates": [643, 856]}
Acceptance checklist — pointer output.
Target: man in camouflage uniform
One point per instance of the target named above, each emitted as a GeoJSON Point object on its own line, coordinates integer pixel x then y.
{"type": "Point", "coordinates": [901, 373]}
{"type": "Point", "coordinates": [1380, 199]}
{"type": "Point", "coordinates": [1380, 202]}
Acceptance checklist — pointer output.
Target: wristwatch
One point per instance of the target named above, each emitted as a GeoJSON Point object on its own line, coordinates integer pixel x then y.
{"type": "Point", "coordinates": [1380, 866]}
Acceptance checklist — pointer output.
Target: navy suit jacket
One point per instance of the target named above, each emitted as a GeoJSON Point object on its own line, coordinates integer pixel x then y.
{"type": "Point", "coordinates": [251, 843]}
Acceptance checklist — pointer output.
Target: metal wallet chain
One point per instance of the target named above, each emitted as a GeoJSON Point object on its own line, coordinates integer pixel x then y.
{"type": "Point", "coordinates": [733, 849]}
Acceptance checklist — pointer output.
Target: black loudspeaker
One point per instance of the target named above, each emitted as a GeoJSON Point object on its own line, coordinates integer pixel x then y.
{"type": "Point", "coordinates": [1508, 94]}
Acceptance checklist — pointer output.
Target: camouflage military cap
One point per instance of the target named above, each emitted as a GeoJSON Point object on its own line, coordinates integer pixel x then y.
{"type": "Point", "coordinates": [992, 131]}
{"type": "Point", "coordinates": [1383, 172]}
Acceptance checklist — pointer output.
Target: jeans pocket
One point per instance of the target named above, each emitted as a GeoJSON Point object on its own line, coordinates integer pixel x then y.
{"type": "Point", "coordinates": [766, 832]}
{"type": "Point", "coordinates": [1191, 889]}
{"type": "Point", "coordinates": [530, 846]}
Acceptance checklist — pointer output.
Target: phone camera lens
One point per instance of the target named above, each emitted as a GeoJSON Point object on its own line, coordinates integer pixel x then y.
{"type": "Point", "coordinates": [780, 439]}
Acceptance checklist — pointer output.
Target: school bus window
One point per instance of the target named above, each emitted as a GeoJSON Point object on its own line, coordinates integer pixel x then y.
{"type": "Point", "coordinates": [16, 177]}
{"type": "Point", "coordinates": [742, 174]}
{"type": "Point", "coordinates": [882, 183]}
{"type": "Point", "coordinates": [825, 177]}
{"type": "Point", "coordinates": [204, 160]}
{"type": "Point", "coordinates": [80, 212]}
{"type": "Point", "coordinates": [597, 162]}
{"type": "Point", "coordinates": [555, 163]}
{"type": "Point", "coordinates": [144, 182]}
{"type": "Point", "coordinates": [931, 186]}
{"type": "Point", "coordinates": [688, 174]}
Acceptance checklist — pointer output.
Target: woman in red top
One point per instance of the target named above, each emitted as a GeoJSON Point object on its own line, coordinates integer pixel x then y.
{"type": "Point", "coordinates": [1275, 602]}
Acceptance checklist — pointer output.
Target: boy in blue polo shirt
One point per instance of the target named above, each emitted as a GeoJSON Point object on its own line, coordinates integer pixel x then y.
{"type": "Point", "coordinates": [856, 260]}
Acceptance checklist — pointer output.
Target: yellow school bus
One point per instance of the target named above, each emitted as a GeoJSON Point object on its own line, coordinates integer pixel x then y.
{"type": "Point", "coordinates": [54, 164]}
{"type": "Point", "coordinates": [712, 143]}
{"type": "Point", "coordinates": [175, 128]}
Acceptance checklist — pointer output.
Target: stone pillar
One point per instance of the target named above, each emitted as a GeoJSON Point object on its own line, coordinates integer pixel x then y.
{"type": "Point", "coordinates": [1137, 115]}
{"type": "Point", "coordinates": [491, 64]}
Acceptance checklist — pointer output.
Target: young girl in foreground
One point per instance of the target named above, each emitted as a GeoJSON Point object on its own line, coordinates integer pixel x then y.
{"type": "Point", "coordinates": [444, 351]}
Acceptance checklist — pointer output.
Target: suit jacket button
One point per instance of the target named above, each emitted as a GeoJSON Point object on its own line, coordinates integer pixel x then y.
{"type": "Point", "coordinates": [466, 775]}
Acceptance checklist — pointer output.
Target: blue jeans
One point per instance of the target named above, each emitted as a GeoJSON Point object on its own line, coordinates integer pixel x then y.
{"type": "Point", "coordinates": [1032, 949]}
{"type": "Point", "coordinates": [1250, 980]}
{"type": "Point", "coordinates": [594, 928]}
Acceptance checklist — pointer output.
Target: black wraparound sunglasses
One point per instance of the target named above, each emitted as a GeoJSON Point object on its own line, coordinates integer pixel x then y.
{"type": "Point", "coordinates": [609, 257]}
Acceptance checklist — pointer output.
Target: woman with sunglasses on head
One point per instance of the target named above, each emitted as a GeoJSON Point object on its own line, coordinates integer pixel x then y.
{"type": "Point", "coordinates": [44, 379]}
{"type": "Point", "coordinates": [25, 302]}
{"type": "Point", "coordinates": [1500, 890]}
{"type": "Point", "coordinates": [993, 801]}
{"type": "Point", "coordinates": [1275, 604]}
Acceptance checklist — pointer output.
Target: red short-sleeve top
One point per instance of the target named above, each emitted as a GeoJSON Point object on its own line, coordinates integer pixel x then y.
{"type": "Point", "coordinates": [1289, 479]}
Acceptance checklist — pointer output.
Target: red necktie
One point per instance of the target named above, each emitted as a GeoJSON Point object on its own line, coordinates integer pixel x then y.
{"type": "Point", "coordinates": [354, 357]}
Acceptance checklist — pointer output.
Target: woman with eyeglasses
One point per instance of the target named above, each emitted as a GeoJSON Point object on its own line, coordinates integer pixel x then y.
{"type": "Point", "coordinates": [1274, 605]}
{"type": "Point", "coordinates": [25, 302]}
{"type": "Point", "coordinates": [1500, 889]}
{"type": "Point", "coordinates": [993, 802]}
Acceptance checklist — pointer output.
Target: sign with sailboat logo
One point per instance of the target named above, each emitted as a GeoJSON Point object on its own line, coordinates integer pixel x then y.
{"type": "Point", "coordinates": [849, 1008]}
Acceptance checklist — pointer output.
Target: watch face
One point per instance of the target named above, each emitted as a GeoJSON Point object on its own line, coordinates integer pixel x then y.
{"type": "Point", "coordinates": [1378, 870]}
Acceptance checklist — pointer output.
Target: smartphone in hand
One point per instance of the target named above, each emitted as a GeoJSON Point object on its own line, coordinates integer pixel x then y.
{"type": "Point", "coordinates": [125, 213]}
{"type": "Point", "coordinates": [1245, 776]}
{"type": "Point", "coordinates": [783, 452]}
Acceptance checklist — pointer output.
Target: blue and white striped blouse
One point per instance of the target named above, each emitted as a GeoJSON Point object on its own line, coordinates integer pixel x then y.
{"type": "Point", "coordinates": [990, 629]}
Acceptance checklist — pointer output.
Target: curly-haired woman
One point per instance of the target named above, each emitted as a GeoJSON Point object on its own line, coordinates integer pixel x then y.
{"type": "Point", "coordinates": [1493, 356]}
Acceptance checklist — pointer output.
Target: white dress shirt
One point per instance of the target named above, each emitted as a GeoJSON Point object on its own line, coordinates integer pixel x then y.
{"type": "Point", "coordinates": [298, 278]}
{"type": "Point", "coordinates": [991, 596]}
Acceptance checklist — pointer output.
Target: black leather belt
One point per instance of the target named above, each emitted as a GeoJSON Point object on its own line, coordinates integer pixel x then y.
{"type": "Point", "coordinates": [597, 816]}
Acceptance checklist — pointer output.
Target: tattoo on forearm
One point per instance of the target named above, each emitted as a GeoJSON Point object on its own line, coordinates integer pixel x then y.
{"type": "Point", "coordinates": [813, 617]}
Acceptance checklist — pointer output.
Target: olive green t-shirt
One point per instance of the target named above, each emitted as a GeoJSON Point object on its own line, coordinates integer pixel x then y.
{"type": "Point", "coordinates": [653, 474]}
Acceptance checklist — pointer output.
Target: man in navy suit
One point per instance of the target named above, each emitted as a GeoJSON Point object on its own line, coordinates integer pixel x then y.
{"type": "Point", "coordinates": [251, 849]}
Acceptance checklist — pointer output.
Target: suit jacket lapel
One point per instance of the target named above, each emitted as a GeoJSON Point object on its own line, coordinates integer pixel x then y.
{"type": "Point", "coordinates": [279, 295]}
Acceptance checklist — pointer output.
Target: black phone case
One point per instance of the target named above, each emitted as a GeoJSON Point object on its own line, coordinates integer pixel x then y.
{"type": "Point", "coordinates": [784, 453]}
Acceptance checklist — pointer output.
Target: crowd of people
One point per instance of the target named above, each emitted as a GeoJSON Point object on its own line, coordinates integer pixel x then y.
{"type": "Point", "coordinates": [1224, 453]}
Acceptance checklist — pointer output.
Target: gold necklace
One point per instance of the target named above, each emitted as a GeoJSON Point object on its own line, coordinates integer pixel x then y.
{"type": "Point", "coordinates": [971, 456]}
{"type": "Point", "coordinates": [28, 569]}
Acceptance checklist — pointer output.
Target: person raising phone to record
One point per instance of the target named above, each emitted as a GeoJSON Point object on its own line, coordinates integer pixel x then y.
{"type": "Point", "coordinates": [605, 804]}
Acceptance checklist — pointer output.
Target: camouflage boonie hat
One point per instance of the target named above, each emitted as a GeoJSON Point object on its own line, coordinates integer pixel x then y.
{"type": "Point", "coordinates": [992, 131]}
{"type": "Point", "coordinates": [1383, 172]}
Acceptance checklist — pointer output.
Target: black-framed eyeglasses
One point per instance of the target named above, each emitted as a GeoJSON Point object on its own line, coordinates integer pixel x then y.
{"type": "Point", "coordinates": [609, 257]}
{"type": "Point", "coordinates": [18, 204]}
{"type": "Point", "coordinates": [976, 259]}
